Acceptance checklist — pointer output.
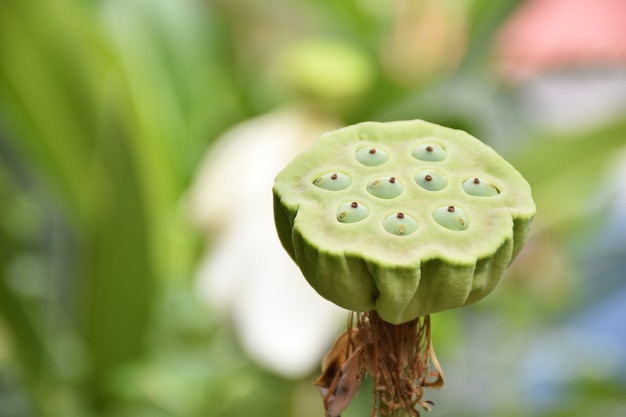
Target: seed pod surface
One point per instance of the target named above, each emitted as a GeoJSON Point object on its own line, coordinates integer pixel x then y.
{"type": "Point", "coordinates": [419, 249]}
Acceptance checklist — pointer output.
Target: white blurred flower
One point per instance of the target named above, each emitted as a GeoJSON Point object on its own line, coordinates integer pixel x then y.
{"type": "Point", "coordinates": [281, 322]}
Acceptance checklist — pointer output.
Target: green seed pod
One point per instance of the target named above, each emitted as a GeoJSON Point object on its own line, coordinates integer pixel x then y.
{"type": "Point", "coordinates": [432, 258]}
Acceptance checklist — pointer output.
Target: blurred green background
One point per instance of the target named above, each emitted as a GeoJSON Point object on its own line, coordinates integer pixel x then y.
{"type": "Point", "coordinates": [107, 108]}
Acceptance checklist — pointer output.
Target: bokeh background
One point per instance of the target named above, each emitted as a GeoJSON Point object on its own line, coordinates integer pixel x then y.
{"type": "Point", "coordinates": [139, 271]}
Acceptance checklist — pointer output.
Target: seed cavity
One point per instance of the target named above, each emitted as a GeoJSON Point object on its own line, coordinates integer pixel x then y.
{"type": "Point", "coordinates": [451, 217]}
{"type": "Point", "coordinates": [479, 187]}
{"type": "Point", "coordinates": [370, 156]}
{"type": "Point", "coordinates": [400, 224]}
{"type": "Point", "coordinates": [333, 181]}
{"type": "Point", "coordinates": [351, 212]}
{"type": "Point", "coordinates": [430, 152]}
{"type": "Point", "coordinates": [431, 180]}
{"type": "Point", "coordinates": [385, 187]}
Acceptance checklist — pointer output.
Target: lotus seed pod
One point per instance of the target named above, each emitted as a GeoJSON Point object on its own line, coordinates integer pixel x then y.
{"type": "Point", "coordinates": [449, 248]}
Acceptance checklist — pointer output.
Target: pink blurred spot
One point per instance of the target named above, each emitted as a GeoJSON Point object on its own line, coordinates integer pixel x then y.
{"type": "Point", "coordinates": [545, 35]}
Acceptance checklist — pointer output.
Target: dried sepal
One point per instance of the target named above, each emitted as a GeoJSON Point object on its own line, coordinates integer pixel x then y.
{"type": "Point", "coordinates": [397, 357]}
{"type": "Point", "coordinates": [342, 372]}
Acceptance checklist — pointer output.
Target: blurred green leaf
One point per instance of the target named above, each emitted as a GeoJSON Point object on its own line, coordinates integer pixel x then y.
{"type": "Point", "coordinates": [568, 171]}
{"type": "Point", "coordinates": [117, 145]}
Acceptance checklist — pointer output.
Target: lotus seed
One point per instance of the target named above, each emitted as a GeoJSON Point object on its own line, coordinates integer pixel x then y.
{"type": "Point", "coordinates": [370, 157]}
{"type": "Point", "coordinates": [334, 182]}
{"type": "Point", "coordinates": [430, 152]}
{"type": "Point", "coordinates": [431, 180]}
{"type": "Point", "coordinates": [399, 224]}
{"type": "Point", "coordinates": [351, 212]}
{"type": "Point", "coordinates": [385, 187]}
{"type": "Point", "coordinates": [451, 217]}
{"type": "Point", "coordinates": [480, 188]}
